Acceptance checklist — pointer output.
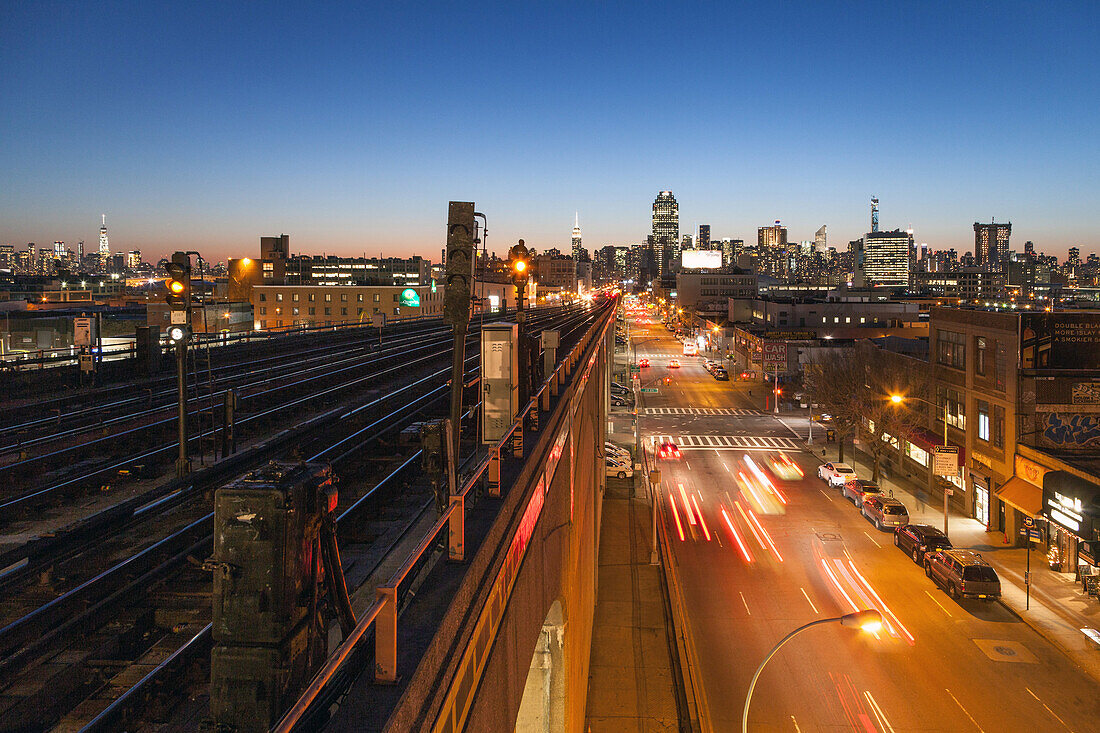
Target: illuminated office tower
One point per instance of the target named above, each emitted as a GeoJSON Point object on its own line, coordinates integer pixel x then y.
{"type": "Point", "coordinates": [991, 244]}
{"type": "Point", "coordinates": [666, 230]}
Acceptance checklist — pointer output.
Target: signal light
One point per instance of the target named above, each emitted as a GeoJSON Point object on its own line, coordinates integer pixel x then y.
{"type": "Point", "coordinates": [179, 282]}
{"type": "Point", "coordinates": [176, 334]}
{"type": "Point", "coordinates": [517, 256]}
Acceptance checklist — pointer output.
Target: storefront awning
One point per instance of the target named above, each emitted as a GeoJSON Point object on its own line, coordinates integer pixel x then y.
{"type": "Point", "coordinates": [927, 440]}
{"type": "Point", "coordinates": [1017, 493]}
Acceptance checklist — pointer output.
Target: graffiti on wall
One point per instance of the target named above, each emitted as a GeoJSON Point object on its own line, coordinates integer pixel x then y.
{"type": "Point", "coordinates": [1072, 431]}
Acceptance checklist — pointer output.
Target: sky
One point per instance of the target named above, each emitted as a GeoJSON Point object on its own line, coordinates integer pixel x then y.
{"type": "Point", "coordinates": [204, 126]}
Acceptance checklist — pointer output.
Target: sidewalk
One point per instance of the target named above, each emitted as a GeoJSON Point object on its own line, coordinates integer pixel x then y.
{"type": "Point", "coordinates": [1059, 609]}
{"type": "Point", "coordinates": [630, 683]}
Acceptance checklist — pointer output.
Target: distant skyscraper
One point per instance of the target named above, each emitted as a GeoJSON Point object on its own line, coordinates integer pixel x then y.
{"type": "Point", "coordinates": [773, 236]}
{"type": "Point", "coordinates": [1074, 258]}
{"type": "Point", "coordinates": [886, 257]}
{"type": "Point", "coordinates": [104, 246]}
{"type": "Point", "coordinates": [577, 238]}
{"type": "Point", "coordinates": [991, 244]}
{"type": "Point", "coordinates": [666, 230]}
{"type": "Point", "coordinates": [703, 241]}
{"type": "Point", "coordinates": [821, 240]}
{"type": "Point", "coordinates": [133, 259]}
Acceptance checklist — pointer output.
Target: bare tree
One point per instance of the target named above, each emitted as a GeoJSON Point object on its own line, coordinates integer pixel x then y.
{"type": "Point", "coordinates": [832, 379]}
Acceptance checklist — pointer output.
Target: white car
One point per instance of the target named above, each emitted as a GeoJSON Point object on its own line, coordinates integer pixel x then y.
{"type": "Point", "coordinates": [617, 450]}
{"type": "Point", "coordinates": [836, 474]}
{"type": "Point", "coordinates": [618, 469]}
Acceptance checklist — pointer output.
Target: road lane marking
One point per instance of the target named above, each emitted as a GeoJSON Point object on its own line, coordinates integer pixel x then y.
{"type": "Point", "coordinates": [745, 602]}
{"type": "Point", "coordinates": [688, 465]}
{"type": "Point", "coordinates": [1048, 709]}
{"type": "Point", "coordinates": [809, 601]}
{"type": "Point", "coordinates": [964, 711]}
{"type": "Point", "coordinates": [872, 540]}
{"type": "Point", "coordinates": [796, 728]}
{"type": "Point", "coordinates": [825, 495]}
{"type": "Point", "coordinates": [878, 712]}
{"type": "Point", "coordinates": [938, 604]}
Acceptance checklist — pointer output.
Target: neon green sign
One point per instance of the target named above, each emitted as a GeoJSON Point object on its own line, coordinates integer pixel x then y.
{"type": "Point", "coordinates": [410, 297]}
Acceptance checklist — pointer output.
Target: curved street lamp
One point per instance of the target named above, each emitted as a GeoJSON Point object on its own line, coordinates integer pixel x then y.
{"type": "Point", "coordinates": [868, 620]}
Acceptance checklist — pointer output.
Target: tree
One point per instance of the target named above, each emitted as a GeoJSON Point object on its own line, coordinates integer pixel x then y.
{"type": "Point", "coordinates": [832, 379]}
{"type": "Point", "coordinates": [854, 385]}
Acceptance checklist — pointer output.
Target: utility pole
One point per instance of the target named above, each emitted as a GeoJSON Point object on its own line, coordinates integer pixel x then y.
{"type": "Point", "coordinates": [179, 332]}
{"type": "Point", "coordinates": [457, 295]}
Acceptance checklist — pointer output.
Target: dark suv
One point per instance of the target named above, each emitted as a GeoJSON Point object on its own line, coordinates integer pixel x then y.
{"type": "Point", "coordinates": [917, 539]}
{"type": "Point", "coordinates": [963, 574]}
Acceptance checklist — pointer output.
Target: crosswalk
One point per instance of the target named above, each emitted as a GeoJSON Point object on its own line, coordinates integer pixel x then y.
{"type": "Point", "coordinates": [732, 411]}
{"type": "Point", "coordinates": [728, 442]}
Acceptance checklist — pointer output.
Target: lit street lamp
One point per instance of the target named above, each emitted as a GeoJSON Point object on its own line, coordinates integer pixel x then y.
{"type": "Point", "coordinates": [869, 620]}
{"type": "Point", "coordinates": [897, 399]}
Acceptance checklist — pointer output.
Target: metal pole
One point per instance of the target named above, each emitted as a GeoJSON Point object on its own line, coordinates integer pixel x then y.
{"type": "Point", "coordinates": [183, 466]}
{"type": "Point", "coordinates": [457, 374]}
{"type": "Point", "coordinates": [947, 484]}
{"type": "Point", "coordinates": [1027, 574]}
{"type": "Point", "coordinates": [775, 392]}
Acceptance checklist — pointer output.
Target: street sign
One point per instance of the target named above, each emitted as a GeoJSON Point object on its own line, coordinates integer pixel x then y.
{"type": "Point", "coordinates": [83, 333]}
{"type": "Point", "coordinates": [635, 368]}
{"type": "Point", "coordinates": [945, 460]}
{"type": "Point", "coordinates": [649, 390]}
{"type": "Point", "coordinates": [1029, 522]}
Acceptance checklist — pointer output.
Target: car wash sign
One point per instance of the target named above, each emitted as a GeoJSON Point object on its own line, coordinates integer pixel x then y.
{"type": "Point", "coordinates": [775, 353]}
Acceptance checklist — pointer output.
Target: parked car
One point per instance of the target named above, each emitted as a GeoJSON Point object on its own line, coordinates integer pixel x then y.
{"type": "Point", "coordinates": [836, 474]}
{"type": "Point", "coordinates": [618, 450]}
{"type": "Point", "coordinates": [619, 389]}
{"type": "Point", "coordinates": [858, 489]}
{"type": "Point", "coordinates": [668, 449]}
{"type": "Point", "coordinates": [618, 469]}
{"type": "Point", "coordinates": [917, 539]}
{"type": "Point", "coordinates": [963, 574]}
{"type": "Point", "coordinates": [621, 401]}
{"type": "Point", "coordinates": [885, 512]}
{"type": "Point", "coordinates": [721, 374]}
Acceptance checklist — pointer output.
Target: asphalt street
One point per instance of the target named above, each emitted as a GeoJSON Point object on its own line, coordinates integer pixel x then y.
{"type": "Point", "coordinates": [755, 563]}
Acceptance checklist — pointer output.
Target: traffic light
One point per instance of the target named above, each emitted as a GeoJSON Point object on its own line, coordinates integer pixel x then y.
{"type": "Point", "coordinates": [179, 282]}
{"type": "Point", "coordinates": [518, 262]}
{"type": "Point", "coordinates": [460, 263]}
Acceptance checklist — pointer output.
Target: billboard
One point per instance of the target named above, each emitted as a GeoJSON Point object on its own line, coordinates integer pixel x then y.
{"type": "Point", "coordinates": [1061, 340]}
{"type": "Point", "coordinates": [703, 259]}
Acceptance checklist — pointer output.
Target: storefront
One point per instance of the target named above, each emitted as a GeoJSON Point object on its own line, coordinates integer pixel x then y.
{"type": "Point", "coordinates": [919, 448]}
{"type": "Point", "coordinates": [1070, 503]}
{"type": "Point", "coordinates": [1023, 493]}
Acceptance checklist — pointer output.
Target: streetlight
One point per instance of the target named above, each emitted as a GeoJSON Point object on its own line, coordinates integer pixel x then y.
{"type": "Point", "coordinates": [869, 620]}
{"type": "Point", "coordinates": [897, 399]}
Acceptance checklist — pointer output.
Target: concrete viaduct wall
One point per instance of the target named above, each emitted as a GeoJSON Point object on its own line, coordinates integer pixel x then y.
{"type": "Point", "coordinates": [497, 651]}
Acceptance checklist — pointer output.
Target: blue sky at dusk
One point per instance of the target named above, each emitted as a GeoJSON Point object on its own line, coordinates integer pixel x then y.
{"type": "Point", "coordinates": [204, 126]}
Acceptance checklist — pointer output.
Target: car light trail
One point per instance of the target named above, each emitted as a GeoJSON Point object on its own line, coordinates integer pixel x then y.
{"type": "Point", "coordinates": [687, 505]}
{"type": "Point", "coordinates": [702, 522]}
{"type": "Point", "coordinates": [752, 519]}
{"type": "Point", "coordinates": [679, 527]}
{"type": "Point", "coordinates": [737, 537]}
{"type": "Point", "coordinates": [838, 585]}
{"type": "Point", "coordinates": [881, 605]}
{"type": "Point", "coordinates": [747, 485]}
{"type": "Point", "coordinates": [873, 704]}
{"type": "Point", "coordinates": [759, 539]}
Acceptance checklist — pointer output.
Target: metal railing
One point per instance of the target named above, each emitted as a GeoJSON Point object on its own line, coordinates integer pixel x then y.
{"type": "Point", "coordinates": [382, 615]}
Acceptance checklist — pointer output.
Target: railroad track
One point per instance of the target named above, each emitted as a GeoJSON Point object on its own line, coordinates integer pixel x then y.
{"type": "Point", "coordinates": [86, 608]}
{"type": "Point", "coordinates": [126, 447]}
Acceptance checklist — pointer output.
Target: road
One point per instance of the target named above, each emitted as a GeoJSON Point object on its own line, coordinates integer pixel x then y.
{"type": "Point", "coordinates": [752, 568]}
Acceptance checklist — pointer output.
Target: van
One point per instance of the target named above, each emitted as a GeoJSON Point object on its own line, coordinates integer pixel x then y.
{"type": "Point", "coordinates": [963, 574]}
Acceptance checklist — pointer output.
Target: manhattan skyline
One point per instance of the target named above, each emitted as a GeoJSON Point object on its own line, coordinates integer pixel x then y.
{"type": "Point", "coordinates": [208, 127]}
